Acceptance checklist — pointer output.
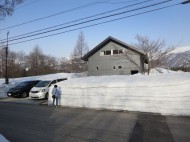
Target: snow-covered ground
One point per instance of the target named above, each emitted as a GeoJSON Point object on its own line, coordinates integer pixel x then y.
{"type": "Point", "coordinates": [163, 91]}
{"type": "Point", "coordinates": [3, 139]}
{"type": "Point", "coordinates": [160, 71]}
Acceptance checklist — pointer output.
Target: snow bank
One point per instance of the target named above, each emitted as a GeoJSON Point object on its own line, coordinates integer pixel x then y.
{"type": "Point", "coordinates": [3, 139]}
{"type": "Point", "coordinates": [159, 93]}
{"type": "Point", "coordinates": [160, 70]}
{"type": "Point", "coordinates": [15, 81]}
{"type": "Point", "coordinates": [45, 77]}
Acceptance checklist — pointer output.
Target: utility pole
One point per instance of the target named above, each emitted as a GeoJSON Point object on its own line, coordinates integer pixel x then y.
{"type": "Point", "coordinates": [6, 67]}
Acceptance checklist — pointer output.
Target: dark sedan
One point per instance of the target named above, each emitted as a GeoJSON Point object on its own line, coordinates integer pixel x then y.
{"type": "Point", "coordinates": [23, 89]}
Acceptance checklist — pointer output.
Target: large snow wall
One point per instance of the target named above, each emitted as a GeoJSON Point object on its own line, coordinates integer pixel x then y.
{"type": "Point", "coordinates": [161, 93]}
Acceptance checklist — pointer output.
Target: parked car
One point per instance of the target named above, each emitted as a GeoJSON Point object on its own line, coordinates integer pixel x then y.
{"type": "Point", "coordinates": [22, 89]}
{"type": "Point", "coordinates": [41, 90]}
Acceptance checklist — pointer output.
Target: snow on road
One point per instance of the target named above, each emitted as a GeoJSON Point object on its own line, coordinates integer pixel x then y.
{"type": "Point", "coordinates": [3, 139]}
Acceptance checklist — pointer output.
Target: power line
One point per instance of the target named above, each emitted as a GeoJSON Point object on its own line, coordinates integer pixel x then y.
{"type": "Point", "coordinates": [81, 19]}
{"type": "Point", "coordinates": [55, 14]}
{"type": "Point", "coordinates": [92, 25]}
{"type": "Point", "coordinates": [92, 20]}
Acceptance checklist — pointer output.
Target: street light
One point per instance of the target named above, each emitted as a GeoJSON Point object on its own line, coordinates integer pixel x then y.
{"type": "Point", "coordinates": [6, 68]}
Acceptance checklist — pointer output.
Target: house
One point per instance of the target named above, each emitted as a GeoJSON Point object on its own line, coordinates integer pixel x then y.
{"type": "Point", "coordinates": [114, 57]}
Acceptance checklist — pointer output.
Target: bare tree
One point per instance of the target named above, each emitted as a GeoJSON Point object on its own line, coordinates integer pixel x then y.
{"type": "Point", "coordinates": [36, 63]}
{"type": "Point", "coordinates": [64, 65]}
{"type": "Point", "coordinates": [48, 64]}
{"type": "Point", "coordinates": [156, 51]}
{"type": "Point", "coordinates": [81, 48]}
{"type": "Point", "coordinates": [40, 64]}
{"type": "Point", "coordinates": [7, 7]}
{"type": "Point", "coordinates": [33, 60]}
{"type": "Point", "coordinates": [135, 59]}
{"type": "Point", "coordinates": [16, 63]}
{"type": "Point", "coordinates": [21, 64]}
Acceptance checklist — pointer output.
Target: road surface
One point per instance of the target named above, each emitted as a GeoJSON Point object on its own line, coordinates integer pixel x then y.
{"type": "Point", "coordinates": [41, 123]}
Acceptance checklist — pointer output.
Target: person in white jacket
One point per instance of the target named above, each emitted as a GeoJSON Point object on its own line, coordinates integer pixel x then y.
{"type": "Point", "coordinates": [56, 93]}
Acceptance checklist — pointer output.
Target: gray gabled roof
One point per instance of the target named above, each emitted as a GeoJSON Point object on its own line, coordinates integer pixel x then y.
{"type": "Point", "coordinates": [106, 41]}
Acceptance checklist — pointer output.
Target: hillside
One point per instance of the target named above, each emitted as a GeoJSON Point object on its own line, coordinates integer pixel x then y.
{"type": "Point", "coordinates": [180, 57]}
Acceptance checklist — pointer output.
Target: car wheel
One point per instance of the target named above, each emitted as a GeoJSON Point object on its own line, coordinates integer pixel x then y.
{"type": "Point", "coordinates": [46, 96]}
{"type": "Point", "coordinates": [24, 95]}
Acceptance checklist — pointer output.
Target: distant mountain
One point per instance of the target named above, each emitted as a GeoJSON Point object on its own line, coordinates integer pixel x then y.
{"type": "Point", "coordinates": [180, 57]}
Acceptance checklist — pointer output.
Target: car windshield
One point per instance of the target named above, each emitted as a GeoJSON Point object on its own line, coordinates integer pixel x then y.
{"type": "Point", "coordinates": [23, 84]}
{"type": "Point", "coordinates": [42, 84]}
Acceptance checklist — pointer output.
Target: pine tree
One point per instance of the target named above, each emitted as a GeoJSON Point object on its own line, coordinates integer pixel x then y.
{"type": "Point", "coordinates": [81, 48]}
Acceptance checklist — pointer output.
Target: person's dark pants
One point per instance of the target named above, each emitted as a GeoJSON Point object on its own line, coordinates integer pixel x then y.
{"type": "Point", "coordinates": [55, 100]}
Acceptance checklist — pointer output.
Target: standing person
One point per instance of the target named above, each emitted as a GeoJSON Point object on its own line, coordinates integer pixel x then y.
{"type": "Point", "coordinates": [56, 92]}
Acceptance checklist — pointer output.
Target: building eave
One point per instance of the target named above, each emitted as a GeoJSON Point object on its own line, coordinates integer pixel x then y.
{"type": "Point", "coordinates": [106, 41]}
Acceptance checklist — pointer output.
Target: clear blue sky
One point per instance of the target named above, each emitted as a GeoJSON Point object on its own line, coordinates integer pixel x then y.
{"type": "Point", "coordinates": [170, 24]}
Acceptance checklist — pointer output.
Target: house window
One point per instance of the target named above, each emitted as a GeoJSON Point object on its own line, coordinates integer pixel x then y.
{"type": "Point", "coordinates": [111, 52]}
{"type": "Point", "coordinates": [97, 68]}
{"type": "Point", "coordinates": [114, 67]}
{"type": "Point", "coordinates": [108, 52]}
{"type": "Point", "coordinates": [102, 53]}
{"type": "Point", "coordinates": [134, 72]}
{"type": "Point", "coordinates": [120, 67]}
{"type": "Point", "coordinates": [115, 52]}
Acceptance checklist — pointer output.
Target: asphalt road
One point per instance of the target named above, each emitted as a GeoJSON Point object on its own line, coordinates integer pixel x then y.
{"type": "Point", "coordinates": [26, 100]}
{"type": "Point", "coordinates": [40, 123]}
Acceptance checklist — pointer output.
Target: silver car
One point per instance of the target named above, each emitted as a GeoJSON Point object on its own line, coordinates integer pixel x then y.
{"type": "Point", "coordinates": [41, 90]}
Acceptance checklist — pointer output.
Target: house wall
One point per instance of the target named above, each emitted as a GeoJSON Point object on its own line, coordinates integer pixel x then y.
{"type": "Point", "coordinates": [103, 65]}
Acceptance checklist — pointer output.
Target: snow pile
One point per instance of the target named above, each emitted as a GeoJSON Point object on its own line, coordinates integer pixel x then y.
{"type": "Point", "coordinates": [4, 88]}
{"type": "Point", "coordinates": [163, 91]}
{"type": "Point", "coordinates": [45, 77]}
{"type": "Point", "coordinates": [15, 81]}
{"type": "Point", "coordinates": [160, 70]}
{"type": "Point", "coordinates": [159, 93]}
{"type": "Point", "coordinates": [3, 139]}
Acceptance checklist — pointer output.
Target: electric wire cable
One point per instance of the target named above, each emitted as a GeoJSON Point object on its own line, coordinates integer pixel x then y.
{"type": "Point", "coordinates": [79, 19]}
{"type": "Point", "coordinates": [52, 15]}
{"type": "Point", "coordinates": [92, 25]}
{"type": "Point", "coordinates": [62, 12]}
{"type": "Point", "coordinates": [92, 20]}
